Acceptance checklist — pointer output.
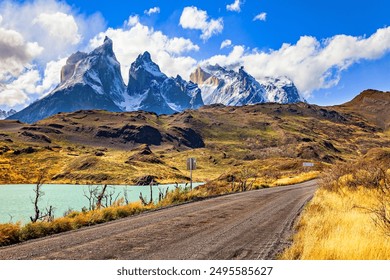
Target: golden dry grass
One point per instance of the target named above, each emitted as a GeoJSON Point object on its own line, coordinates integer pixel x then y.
{"type": "Point", "coordinates": [303, 177]}
{"type": "Point", "coordinates": [334, 226]}
{"type": "Point", "coordinates": [348, 218]}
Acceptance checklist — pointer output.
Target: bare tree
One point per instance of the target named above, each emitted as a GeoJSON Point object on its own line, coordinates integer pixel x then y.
{"type": "Point", "coordinates": [91, 196]}
{"type": "Point", "coordinates": [143, 200]}
{"type": "Point", "coordinates": [151, 191]}
{"type": "Point", "coordinates": [161, 194]}
{"type": "Point", "coordinates": [110, 199]}
{"type": "Point", "coordinates": [100, 197]}
{"type": "Point", "coordinates": [125, 195]}
{"type": "Point", "coordinates": [38, 214]}
{"type": "Point", "coordinates": [104, 197]}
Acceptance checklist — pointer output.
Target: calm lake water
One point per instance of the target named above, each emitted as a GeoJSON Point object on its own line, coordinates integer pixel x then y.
{"type": "Point", "coordinates": [16, 200]}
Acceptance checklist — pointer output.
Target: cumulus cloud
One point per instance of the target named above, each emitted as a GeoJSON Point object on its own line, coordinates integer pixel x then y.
{"type": "Point", "coordinates": [51, 77]}
{"type": "Point", "coordinates": [62, 28]}
{"type": "Point", "coordinates": [154, 10]}
{"type": "Point", "coordinates": [34, 36]}
{"type": "Point", "coordinates": [226, 44]}
{"type": "Point", "coordinates": [234, 7]}
{"type": "Point", "coordinates": [17, 91]}
{"type": "Point", "coordinates": [15, 53]}
{"type": "Point", "coordinates": [260, 17]}
{"type": "Point", "coordinates": [135, 38]}
{"type": "Point", "coordinates": [233, 60]}
{"type": "Point", "coordinates": [57, 28]}
{"type": "Point", "coordinates": [193, 18]}
{"type": "Point", "coordinates": [310, 63]}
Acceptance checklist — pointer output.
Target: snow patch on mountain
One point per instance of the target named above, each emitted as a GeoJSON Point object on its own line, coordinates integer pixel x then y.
{"type": "Point", "coordinates": [151, 90]}
{"type": "Point", "coordinates": [227, 87]}
{"type": "Point", "coordinates": [5, 114]}
{"type": "Point", "coordinates": [236, 88]}
{"type": "Point", "coordinates": [281, 90]}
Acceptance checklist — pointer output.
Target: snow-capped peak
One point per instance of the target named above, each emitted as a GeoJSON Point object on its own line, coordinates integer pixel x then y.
{"type": "Point", "coordinates": [220, 85]}
{"type": "Point", "coordinates": [5, 114]}
{"type": "Point", "coordinates": [144, 63]}
{"type": "Point", "coordinates": [281, 90]}
{"type": "Point", "coordinates": [151, 90]}
{"type": "Point", "coordinates": [99, 70]}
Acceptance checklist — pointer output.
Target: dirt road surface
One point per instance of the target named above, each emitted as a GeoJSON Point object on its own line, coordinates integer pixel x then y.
{"type": "Point", "coordinates": [249, 225]}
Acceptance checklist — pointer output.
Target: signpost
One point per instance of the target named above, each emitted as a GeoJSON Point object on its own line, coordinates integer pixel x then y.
{"type": "Point", "coordinates": [191, 165]}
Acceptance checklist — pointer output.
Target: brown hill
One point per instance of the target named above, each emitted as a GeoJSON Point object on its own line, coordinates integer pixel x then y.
{"type": "Point", "coordinates": [371, 104]}
{"type": "Point", "coordinates": [271, 139]}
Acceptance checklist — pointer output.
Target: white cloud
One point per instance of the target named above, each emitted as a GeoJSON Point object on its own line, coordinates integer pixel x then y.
{"type": "Point", "coordinates": [226, 44]}
{"type": "Point", "coordinates": [51, 77]}
{"type": "Point", "coordinates": [62, 28]}
{"type": "Point", "coordinates": [33, 36]}
{"type": "Point", "coordinates": [261, 17]}
{"type": "Point", "coordinates": [57, 28]}
{"type": "Point", "coordinates": [234, 7]}
{"type": "Point", "coordinates": [15, 53]}
{"type": "Point", "coordinates": [136, 38]}
{"type": "Point", "coordinates": [232, 60]}
{"type": "Point", "coordinates": [192, 18]}
{"type": "Point", "coordinates": [17, 92]}
{"type": "Point", "coordinates": [133, 20]}
{"type": "Point", "coordinates": [310, 63]}
{"type": "Point", "coordinates": [154, 10]}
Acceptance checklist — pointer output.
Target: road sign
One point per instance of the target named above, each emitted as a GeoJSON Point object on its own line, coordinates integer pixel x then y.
{"type": "Point", "coordinates": [191, 163]}
{"type": "Point", "coordinates": [308, 164]}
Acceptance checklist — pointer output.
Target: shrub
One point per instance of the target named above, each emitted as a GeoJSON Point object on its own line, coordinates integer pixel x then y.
{"type": "Point", "coordinates": [9, 234]}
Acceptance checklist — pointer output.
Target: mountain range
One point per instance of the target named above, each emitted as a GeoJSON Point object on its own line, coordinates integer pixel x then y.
{"type": "Point", "coordinates": [5, 114]}
{"type": "Point", "coordinates": [94, 81]}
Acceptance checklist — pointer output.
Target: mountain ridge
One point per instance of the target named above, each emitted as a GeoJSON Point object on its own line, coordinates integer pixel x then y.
{"type": "Point", "coordinates": [372, 105]}
{"type": "Point", "coordinates": [103, 147]}
{"type": "Point", "coordinates": [5, 114]}
{"type": "Point", "coordinates": [237, 88]}
{"type": "Point", "coordinates": [94, 81]}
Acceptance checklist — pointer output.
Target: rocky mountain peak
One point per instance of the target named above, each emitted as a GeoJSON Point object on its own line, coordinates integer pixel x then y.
{"type": "Point", "coordinates": [199, 76]}
{"type": "Point", "coordinates": [105, 49]}
{"type": "Point", "coordinates": [220, 85]}
{"type": "Point", "coordinates": [146, 57]}
{"type": "Point", "coordinates": [281, 90]}
{"type": "Point", "coordinates": [67, 70]}
{"type": "Point", "coordinates": [5, 114]}
{"type": "Point", "coordinates": [151, 90]}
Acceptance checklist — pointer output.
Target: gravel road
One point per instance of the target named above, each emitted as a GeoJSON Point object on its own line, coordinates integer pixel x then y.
{"type": "Point", "coordinates": [250, 225]}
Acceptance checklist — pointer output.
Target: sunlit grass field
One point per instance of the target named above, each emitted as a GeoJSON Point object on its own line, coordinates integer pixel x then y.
{"type": "Point", "coordinates": [334, 226]}
{"type": "Point", "coordinates": [348, 218]}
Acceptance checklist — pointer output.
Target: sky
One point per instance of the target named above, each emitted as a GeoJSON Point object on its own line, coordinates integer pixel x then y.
{"type": "Point", "coordinates": [332, 50]}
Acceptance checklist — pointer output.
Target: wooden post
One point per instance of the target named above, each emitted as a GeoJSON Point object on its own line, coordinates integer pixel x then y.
{"type": "Point", "coordinates": [190, 179]}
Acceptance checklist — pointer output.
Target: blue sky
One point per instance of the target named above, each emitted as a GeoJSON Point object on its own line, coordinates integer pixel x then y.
{"type": "Point", "coordinates": [332, 50]}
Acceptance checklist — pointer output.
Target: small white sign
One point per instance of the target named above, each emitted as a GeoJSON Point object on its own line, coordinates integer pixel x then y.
{"type": "Point", "coordinates": [191, 164]}
{"type": "Point", "coordinates": [308, 164]}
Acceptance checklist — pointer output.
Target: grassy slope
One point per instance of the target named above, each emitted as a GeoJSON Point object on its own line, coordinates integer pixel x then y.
{"type": "Point", "coordinates": [256, 137]}
{"type": "Point", "coordinates": [334, 227]}
{"type": "Point", "coordinates": [340, 222]}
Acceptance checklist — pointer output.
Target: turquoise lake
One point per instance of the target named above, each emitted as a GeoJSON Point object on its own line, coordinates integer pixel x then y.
{"type": "Point", "coordinates": [16, 200]}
